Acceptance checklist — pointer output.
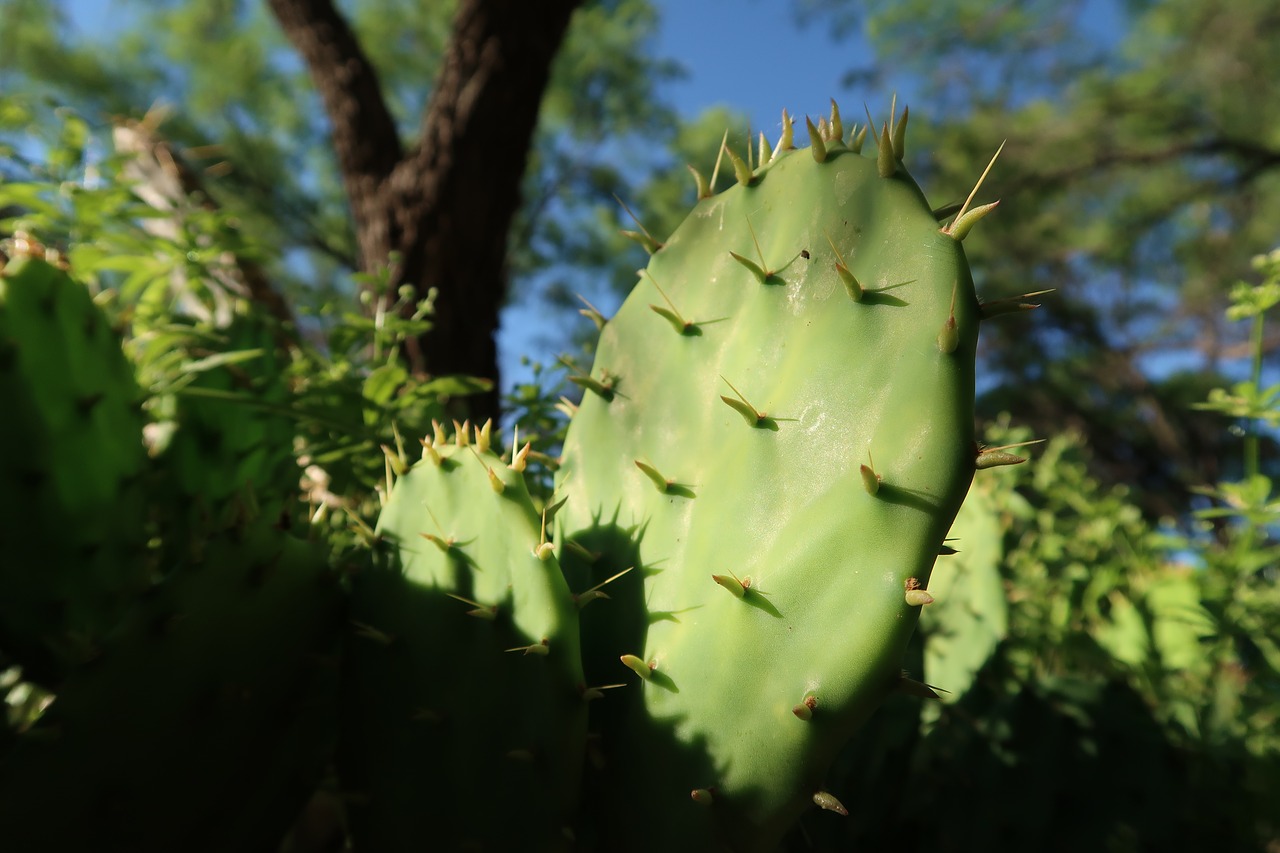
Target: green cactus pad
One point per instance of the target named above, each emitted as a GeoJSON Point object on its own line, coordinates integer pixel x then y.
{"type": "Point", "coordinates": [780, 467]}
{"type": "Point", "coordinates": [205, 722]}
{"type": "Point", "coordinates": [72, 511]}
{"type": "Point", "coordinates": [465, 713]}
{"type": "Point", "coordinates": [961, 635]}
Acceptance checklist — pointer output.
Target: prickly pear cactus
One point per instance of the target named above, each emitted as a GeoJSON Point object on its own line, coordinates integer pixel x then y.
{"type": "Point", "coordinates": [205, 721]}
{"type": "Point", "coordinates": [776, 434]}
{"type": "Point", "coordinates": [72, 509]}
{"type": "Point", "coordinates": [465, 710]}
{"type": "Point", "coordinates": [960, 636]}
{"type": "Point", "coordinates": [773, 445]}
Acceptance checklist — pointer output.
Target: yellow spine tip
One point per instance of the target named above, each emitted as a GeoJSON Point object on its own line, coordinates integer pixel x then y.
{"type": "Point", "coordinates": [949, 337]}
{"type": "Point", "coordinates": [763, 153]}
{"type": "Point", "coordinates": [817, 146]}
{"type": "Point", "coordinates": [700, 183]}
{"type": "Point", "coordinates": [870, 479]}
{"type": "Point", "coordinates": [484, 436]}
{"type": "Point", "coordinates": [429, 452]}
{"type": "Point", "coordinates": [835, 128]}
{"type": "Point", "coordinates": [786, 141]}
{"type": "Point", "coordinates": [827, 801]}
{"type": "Point", "coordinates": [900, 135]}
{"type": "Point", "coordinates": [638, 666]}
{"type": "Point", "coordinates": [741, 171]}
{"type": "Point", "coordinates": [731, 583]}
{"type": "Point", "coordinates": [521, 460]}
{"type": "Point", "coordinates": [918, 597]}
{"type": "Point", "coordinates": [886, 163]}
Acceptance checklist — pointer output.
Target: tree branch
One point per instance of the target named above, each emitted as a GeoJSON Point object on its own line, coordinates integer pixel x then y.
{"type": "Point", "coordinates": [365, 137]}
{"type": "Point", "coordinates": [1253, 158]}
{"type": "Point", "coordinates": [447, 205]}
{"type": "Point", "coordinates": [459, 189]}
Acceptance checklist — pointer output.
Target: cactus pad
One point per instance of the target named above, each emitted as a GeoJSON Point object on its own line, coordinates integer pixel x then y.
{"type": "Point", "coordinates": [465, 707]}
{"type": "Point", "coordinates": [777, 432]}
{"type": "Point", "coordinates": [202, 725]}
{"type": "Point", "coordinates": [72, 511]}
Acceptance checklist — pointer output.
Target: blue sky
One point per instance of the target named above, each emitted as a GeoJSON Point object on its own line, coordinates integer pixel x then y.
{"type": "Point", "coordinates": [746, 53]}
{"type": "Point", "coordinates": [757, 61]}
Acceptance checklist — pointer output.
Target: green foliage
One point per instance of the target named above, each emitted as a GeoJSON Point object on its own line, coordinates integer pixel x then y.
{"type": "Point", "coordinates": [974, 617]}
{"type": "Point", "coordinates": [459, 531]}
{"type": "Point", "coordinates": [328, 389]}
{"type": "Point", "coordinates": [252, 112]}
{"type": "Point", "coordinates": [196, 669]}
{"type": "Point", "coordinates": [231, 427]}
{"type": "Point", "coordinates": [1239, 583]}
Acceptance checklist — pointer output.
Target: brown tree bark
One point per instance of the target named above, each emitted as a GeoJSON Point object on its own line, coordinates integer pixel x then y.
{"type": "Point", "coordinates": [446, 205]}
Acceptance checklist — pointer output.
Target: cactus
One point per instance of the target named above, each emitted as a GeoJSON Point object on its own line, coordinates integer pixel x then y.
{"type": "Point", "coordinates": [465, 657]}
{"type": "Point", "coordinates": [72, 510]}
{"type": "Point", "coordinates": [961, 636]}
{"type": "Point", "coordinates": [214, 690]}
{"type": "Point", "coordinates": [773, 443]}
{"type": "Point", "coordinates": [778, 433]}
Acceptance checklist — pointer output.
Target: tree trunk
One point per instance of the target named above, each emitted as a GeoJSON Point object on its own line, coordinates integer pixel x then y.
{"type": "Point", "coordinates": [446, 205]}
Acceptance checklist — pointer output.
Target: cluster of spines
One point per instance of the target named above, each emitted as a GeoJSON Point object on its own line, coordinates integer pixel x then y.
{"type": "Point", "coordinates": [474, 658]}
{"type": "Point", "coordinates": [826, 136]}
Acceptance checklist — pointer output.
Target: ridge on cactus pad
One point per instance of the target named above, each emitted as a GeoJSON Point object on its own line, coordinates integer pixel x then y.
{"type": "Point", "coordinates": [777, 433]}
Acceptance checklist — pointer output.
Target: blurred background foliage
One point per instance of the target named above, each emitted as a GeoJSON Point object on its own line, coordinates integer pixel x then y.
{"type": "Point", "coordinates": [1109, 632]}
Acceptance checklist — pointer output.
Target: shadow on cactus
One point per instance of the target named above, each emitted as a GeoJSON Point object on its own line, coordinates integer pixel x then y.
{"type": "Point", "coordinates": [671, 651]}
{"type": "Point", "coordinates": [805, 452]}
{"type": "Point", "coordinates": [464, 657]}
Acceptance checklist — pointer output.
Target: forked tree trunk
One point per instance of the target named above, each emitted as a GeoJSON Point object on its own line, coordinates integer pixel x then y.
{"type": "Point", "coordinates": [446, 204]}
